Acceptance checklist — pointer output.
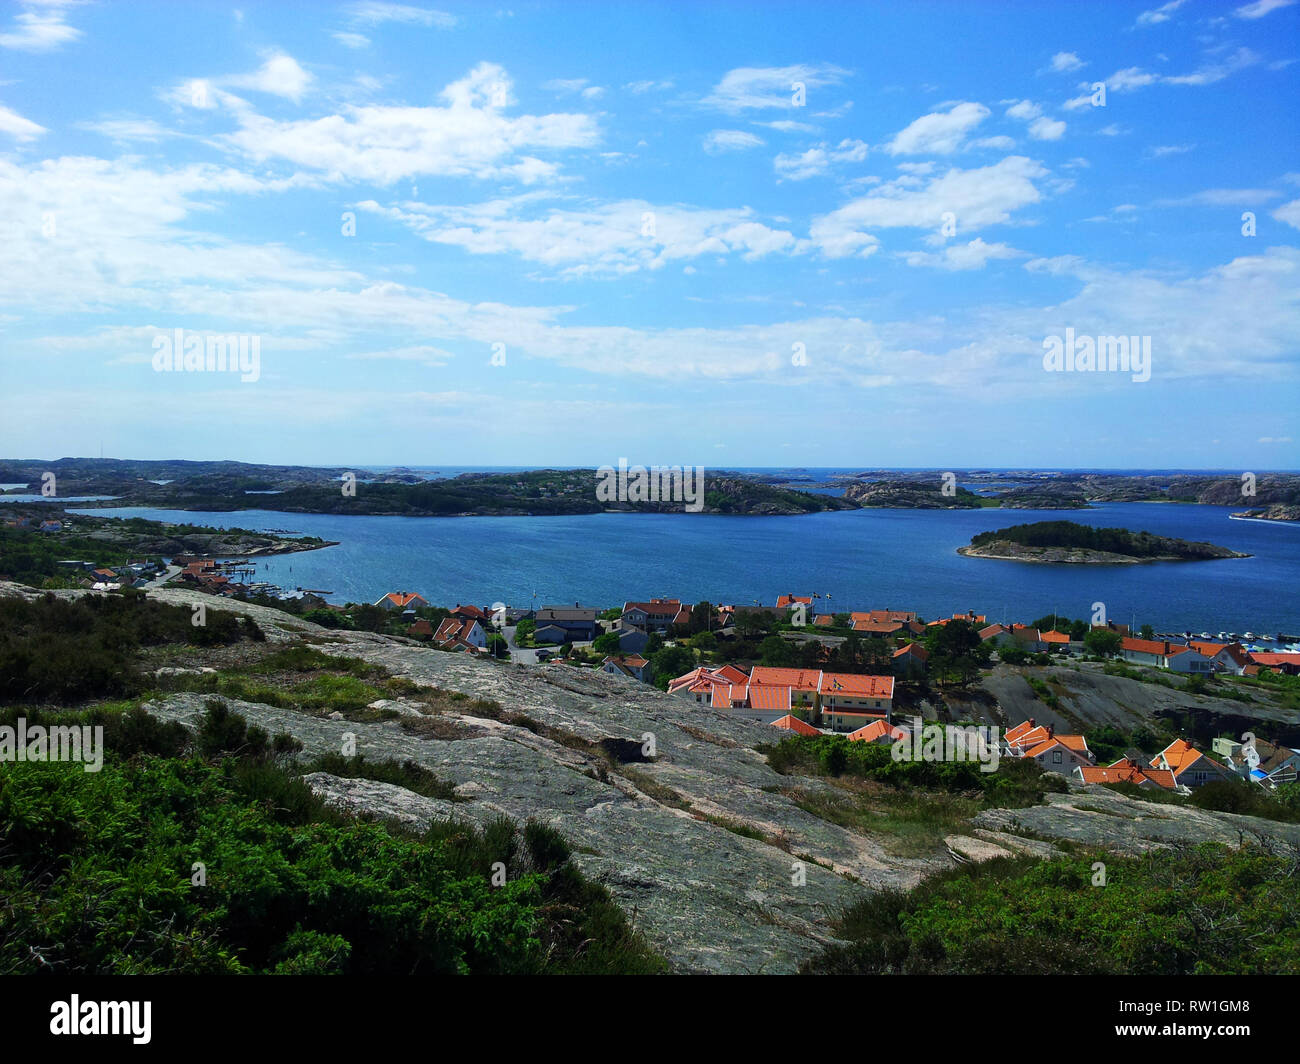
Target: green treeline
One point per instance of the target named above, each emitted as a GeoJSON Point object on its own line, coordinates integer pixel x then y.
{"type": "Point", "coordinates": [1069, 534]}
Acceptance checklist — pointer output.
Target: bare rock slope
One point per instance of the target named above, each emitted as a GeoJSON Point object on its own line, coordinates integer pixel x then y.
{"type": "Point", "coordinates": [709, 850]}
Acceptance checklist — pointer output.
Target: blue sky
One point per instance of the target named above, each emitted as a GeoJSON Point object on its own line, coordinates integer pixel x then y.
{"type": "Point", "coordinates": [720, 235]}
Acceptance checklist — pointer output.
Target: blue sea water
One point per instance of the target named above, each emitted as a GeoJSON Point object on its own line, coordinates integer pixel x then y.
{"type": "Point", "coordinates": [860, 559]}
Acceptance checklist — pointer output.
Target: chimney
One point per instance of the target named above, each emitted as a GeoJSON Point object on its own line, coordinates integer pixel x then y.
{"type": "Point", "coordinates": [1051, 730]}
{"type": "Point", "coordinates": [1033, 723]}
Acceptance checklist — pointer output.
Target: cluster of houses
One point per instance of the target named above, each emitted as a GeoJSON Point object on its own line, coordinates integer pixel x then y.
{"type": "Point", "coordinates": [1179, 767]}
{"type": "Point", "coordinates": [113, 578]}
{"type": "Point", "coordinates": [639, 620]}
{"type": "Point", "coordinates": [844, 701]}
{"type": "Point", "coordinates": [26, 522]}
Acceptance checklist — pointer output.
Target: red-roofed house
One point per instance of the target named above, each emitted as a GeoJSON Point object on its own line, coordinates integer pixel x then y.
{"type": "Point", "coordinates": [1126, 771]}
{"type": "Point", "coordinates": [794, 724]}
{"type": "Point", "coordinates": [657, 615]}
{"type": "Point", "coordinates": [1164, 655]}
{"type": "Point", "coordinates": [878, 627]}
{"type": "Point", "coordinates": [421, 629]}
{"type": "Point", "coordinates": [1055, 755]}
{"type": "Point", "coordinates": [910, 660]}
{"type": "Point", "coordinates": [457, 634]}
{"type": "Point", "coordinates": [1190, 767]}
{"type": "Point", "coordinates": [784, 602]}
{"type": "Point", "coordinates": [1279, 662]}
{"type": "Point", "coordinates": [848, 699]}
{"type": "Point", "coordinates": [803, 683]}
{"type": "Point", "coordinates": [700, 683]}
{"type": "Point", "coordinates": [1224, 657]}
{"type": "Point", "coordinates": [633, 665]}
{"type": "Point", "coordinates": [878, 731]}
{"type": "Point", "coordinates": [1054, 640]}
{"type": "Point", "coordinates": [402, 600]}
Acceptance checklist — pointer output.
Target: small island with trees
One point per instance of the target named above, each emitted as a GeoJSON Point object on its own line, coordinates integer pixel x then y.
{"type": "Point", "coordinates": [1067, 542]}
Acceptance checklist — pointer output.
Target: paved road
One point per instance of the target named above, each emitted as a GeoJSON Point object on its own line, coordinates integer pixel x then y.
{"type": "Point", "coordinates": [522, 655]}
{"type": "Point", "coordinates": [172, 572]}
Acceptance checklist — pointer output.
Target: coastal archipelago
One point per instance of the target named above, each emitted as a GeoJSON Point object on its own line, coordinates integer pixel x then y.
{"type": "Point", "coordinates": [228, 486]}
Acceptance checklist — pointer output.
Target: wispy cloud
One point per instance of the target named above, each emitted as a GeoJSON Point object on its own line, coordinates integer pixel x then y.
{"type": "Point", "coordinates": [18, 127]}
{"type": "Point", "coordinates": [40, 27]}
{"type": "Point", "coordinates": [1160, 14]}
{"type": "Point", "coordinates": [724, 140]}
{"type": "Point", "coordinates": [373, 13]}
{"type": "Point", "coordinates": [760, 88]}
{"type": "Point", "coordinates": [1260, 8]}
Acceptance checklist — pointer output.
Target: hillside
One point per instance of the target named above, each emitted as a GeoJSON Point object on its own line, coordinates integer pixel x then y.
{"type": "Point", "coordinates": [698, 841]}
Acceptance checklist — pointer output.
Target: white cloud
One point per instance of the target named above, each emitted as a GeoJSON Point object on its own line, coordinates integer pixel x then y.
{"type": "Point", "coordinates": [977, 198]}
{"type": "Point", "coordinates": [971, 256]}
{"type": "Point", "coordinates": [1213, 72]}
{"type": "Point", "coordinates": [468, 137]}
{"type": "Point", "coordinates": [1159, 14]}
{"type": "Point", "coordinates": [754, 88]}
{"type": "Point", "coordinates": [280, 75]}
{"type": "Point", "coordinates": [1289, 213]}
{"type": "Point", "coordinates": [1260, 8]}
{"type": "Point", "coordinates": [819, 160]}
{"type": "Point", "coordinates": [940, 132]}
{"type": "Point", "coordinates": [998, 143]}
{"type": "Point", "coordinates": [602, 240]}
{"type": "Point", "coordinates": [424, 354]}
{"type": "Point", "coordinates": [1063, 62]}
{"type": "Point", "coordinates": [351, 40]}
{"type": "Point", "coordinates": [375, 13]}
{"type": "Point", "coordinates": [639, 87]}
{"type": "Point", "coordinates": [130, 129]}
{"type": "Point", "coordinates": [1046, 129]}
{"type": "Point", "coordinates": [1040, 127]}
{"type": "Point", "coordinates": [564, 86]}
{"type": "Point", "coordinates": [1129, 79]}
{"type": "Point", "coordinates": [573, 86]}
{"type": "Point", "coordinates": [722, 140]}
{"type": "Point", "coordinates": [17, 126]}
{"type": "Point", "coordinates": [126, 242]}
{"type": "Point", "coordinates": [1220, 197]}
{"type": "Point", "coordinates": [1161, 150]}
{"type": "Point", "coordinates": [785, 125]}
{"type": "Point", "coordinates": [1024, 110]}
{"type": "Point", "coordinates": [40, 27]}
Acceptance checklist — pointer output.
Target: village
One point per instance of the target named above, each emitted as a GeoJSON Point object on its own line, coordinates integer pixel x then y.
{"type": "Point", "coordinates": [790, 666]}
{"type": "Point", "coordinates": [812, 700]}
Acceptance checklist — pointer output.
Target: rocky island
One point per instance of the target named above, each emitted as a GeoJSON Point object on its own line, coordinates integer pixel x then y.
{"type": "Point", "coordinates": [1276, 512]}
{"type": "Point", "coordinates": [1066, 542]}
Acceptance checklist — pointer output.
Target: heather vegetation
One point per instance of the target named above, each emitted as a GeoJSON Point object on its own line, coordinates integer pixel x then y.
{"type": "Point", "coordinates": [206, 853]}
{"type": "Point", "coordinates": [1204, 910]}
